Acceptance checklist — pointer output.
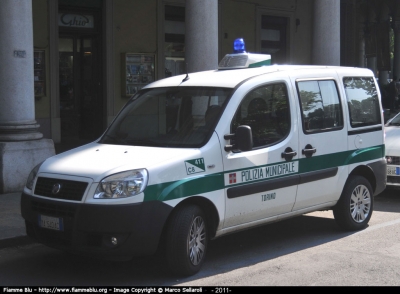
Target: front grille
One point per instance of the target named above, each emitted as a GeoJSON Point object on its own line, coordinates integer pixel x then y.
{"type": "Point", "coordinates": [69, 190]}
{"type": "Point", "coordinates": [394, 160]}
{"type": "Point", "coordinates": [52, 209]}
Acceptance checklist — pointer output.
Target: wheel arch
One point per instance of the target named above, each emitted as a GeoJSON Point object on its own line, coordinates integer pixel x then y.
{"type": "Point", "coordinates": [206, 206]}
{"type": "Point", "coordinates": [366, 172]}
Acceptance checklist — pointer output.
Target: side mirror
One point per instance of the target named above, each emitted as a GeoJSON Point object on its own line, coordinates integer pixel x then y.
{"type": "Point", "coordinates": [243, 139]}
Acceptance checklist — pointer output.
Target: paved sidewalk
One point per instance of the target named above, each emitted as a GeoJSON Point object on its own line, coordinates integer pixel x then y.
{"type": "Point", "coordinates": [12, 226]}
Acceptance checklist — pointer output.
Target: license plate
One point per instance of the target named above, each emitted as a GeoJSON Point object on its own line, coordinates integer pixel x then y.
{"type": "Point", "coordinates": [393, 170]}
{"type": "Point", "coordinates": [53, 223]}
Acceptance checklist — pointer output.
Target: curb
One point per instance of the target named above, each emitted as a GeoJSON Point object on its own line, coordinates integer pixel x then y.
{"type": "Point", "coordinates": [15, 242]}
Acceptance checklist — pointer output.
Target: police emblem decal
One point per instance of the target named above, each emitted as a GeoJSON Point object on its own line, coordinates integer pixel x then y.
{"type": "Point", "coordinates": [232, 178]}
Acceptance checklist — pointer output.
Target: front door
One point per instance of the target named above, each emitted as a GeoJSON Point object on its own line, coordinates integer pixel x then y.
{"type": "Point", "coordinates": [261, 183]}
{"type": "Point", "coordinates": [81, 103]}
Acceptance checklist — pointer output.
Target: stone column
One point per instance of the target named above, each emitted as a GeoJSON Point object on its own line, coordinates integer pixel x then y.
{"type": "Point", "coordinates": [201, 36]}
{"type": "Point", "coordinates": [21, 145]}
{"type": "Point", "coordinates": [396, 53]}
{"type": "Point", "coordinates": [326, 35]}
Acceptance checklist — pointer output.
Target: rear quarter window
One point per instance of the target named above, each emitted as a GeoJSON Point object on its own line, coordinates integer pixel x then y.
{"type": "Point", "coordinates": [363, 101]}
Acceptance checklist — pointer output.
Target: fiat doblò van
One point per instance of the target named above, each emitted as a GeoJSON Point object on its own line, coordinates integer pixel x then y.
{"type": "Point", "coordinates": [194, 157]}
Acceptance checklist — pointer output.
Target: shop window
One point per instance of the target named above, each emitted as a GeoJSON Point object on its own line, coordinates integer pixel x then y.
{"type": "Point", "coordinates": [39, 73]}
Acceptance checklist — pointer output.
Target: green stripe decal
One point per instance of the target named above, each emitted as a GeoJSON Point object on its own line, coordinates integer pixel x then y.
{"type": "Point", "coordinates": [212, 182]}
{"type": "Point", "coordinates": [341, 158]}
{"type": "Point", "coordinates": [184, 187]}
{"type": "Point", "coordinates": [261, 63]}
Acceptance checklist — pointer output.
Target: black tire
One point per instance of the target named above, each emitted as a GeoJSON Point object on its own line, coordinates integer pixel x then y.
{"type": "Point", "coordinates": [355, 206]}
{"type": "Point", "coordinates": [186, 240]}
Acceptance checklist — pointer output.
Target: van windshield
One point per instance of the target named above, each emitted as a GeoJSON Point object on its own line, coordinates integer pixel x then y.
{"type": "Point", "coordinates": [168, 117]}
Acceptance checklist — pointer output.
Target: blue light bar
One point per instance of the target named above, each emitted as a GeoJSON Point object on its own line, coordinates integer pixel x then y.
{"type": "Point", "coordinates": [241, 59]}
{"type": "Point", "coordinates": [239, 46]}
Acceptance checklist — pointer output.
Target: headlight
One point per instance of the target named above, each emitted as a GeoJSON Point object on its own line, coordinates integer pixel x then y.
{"type": "Point", "coordinates": [121, 185]}
{"type": "Point", "coordinates": [32, 176]}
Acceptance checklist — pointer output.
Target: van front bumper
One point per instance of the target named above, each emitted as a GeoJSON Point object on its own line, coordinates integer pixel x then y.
{"type": "Point", "coordinates": [107, 231]}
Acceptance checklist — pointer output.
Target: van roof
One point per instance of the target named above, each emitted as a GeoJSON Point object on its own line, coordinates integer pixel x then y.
{"type": "Point", "coordinates": [232, 77]}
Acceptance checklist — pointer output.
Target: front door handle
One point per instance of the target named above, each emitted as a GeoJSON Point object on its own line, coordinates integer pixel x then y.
{"type": "Point", "coordinates": [288, 154]}
{"type": "Point", "coordinates": [309, 150]}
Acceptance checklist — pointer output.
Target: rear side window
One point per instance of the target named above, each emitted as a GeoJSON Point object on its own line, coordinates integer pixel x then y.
{"type": "Point", "coordinates": [320, 106]}
{"type": "Point", "coordinates": [363, 101]}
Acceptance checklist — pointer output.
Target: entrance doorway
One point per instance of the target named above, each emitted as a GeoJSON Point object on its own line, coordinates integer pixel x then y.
{"type": "Point", "coordinates": [274, 38]}
{"type": "Point", "coordinates": [81, 101]}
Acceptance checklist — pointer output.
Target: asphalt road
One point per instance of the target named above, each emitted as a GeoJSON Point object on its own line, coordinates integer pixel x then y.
{"type": "Point", "coordinates": [304, 251]}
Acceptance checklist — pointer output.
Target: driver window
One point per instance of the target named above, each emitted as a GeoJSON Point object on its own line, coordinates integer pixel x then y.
{"type": "Point", "coordinates": [266, 111]}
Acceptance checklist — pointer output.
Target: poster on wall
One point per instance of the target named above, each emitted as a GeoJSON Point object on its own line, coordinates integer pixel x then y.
{"type": "Point", "coordinates": [39, 72]}
{"type": "Point", "coordinates": [138, 71]}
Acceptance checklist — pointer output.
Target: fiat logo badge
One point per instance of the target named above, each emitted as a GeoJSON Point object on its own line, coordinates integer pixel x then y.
{"type": "Point", "coordinates": [56, 189]}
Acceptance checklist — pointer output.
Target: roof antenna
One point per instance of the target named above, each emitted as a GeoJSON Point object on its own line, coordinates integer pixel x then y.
{"type": "Point", "coordinates": [187, 75]}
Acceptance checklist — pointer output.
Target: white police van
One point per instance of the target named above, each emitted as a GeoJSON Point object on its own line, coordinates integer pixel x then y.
{"type": "Point", "coordinates": [194, 157]}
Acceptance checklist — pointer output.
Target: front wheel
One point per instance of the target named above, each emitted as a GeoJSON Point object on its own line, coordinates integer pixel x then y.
{"type": "Point", "coordinates": [354, 208]}
{"type": "Point", "coordinates": [187, 240]}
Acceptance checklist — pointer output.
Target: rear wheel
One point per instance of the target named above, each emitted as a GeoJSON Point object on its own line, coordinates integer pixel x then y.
{"type": "Point", "coordinates": [355, 206]}
{"type": "Point", "coordinates": [187, 240]}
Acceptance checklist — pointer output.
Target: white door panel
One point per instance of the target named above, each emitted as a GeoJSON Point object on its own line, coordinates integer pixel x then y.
{"type": "Point", "coordinates": [322, 139]}
{"type": "Point", "coordinates": [260, 183]}
{"type": "Point", "coordinates": [268, 203]}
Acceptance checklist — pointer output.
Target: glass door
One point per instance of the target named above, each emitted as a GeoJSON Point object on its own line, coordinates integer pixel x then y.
{"type": "Point", "coordinates": [81, 103]}
{"type": "Point", "coordinates": [174, 42]}
{"type": "Point", "coordinates": [68, 103]}
{"type": "Point", "coordinates": [274, 38]}
{"type": "Point", "coordinates": [90, 102]}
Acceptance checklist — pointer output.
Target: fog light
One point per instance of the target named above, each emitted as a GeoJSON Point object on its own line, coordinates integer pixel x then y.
{"type": "Point", "coordinates": [113, 240]}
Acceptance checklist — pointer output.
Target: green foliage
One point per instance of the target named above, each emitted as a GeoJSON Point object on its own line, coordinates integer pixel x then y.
{"type": "Point", "coordinates": [309, 100]}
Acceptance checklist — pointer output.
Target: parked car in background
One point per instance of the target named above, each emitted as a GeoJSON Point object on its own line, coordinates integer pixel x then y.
{"type": "Point", "coordinates": [392, 150]}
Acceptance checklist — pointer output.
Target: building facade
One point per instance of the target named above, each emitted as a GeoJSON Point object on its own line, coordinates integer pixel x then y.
{"type": "Point", "coordinates": [89, 56]}
{"type": "Point", "coordinates": [91, 50]}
